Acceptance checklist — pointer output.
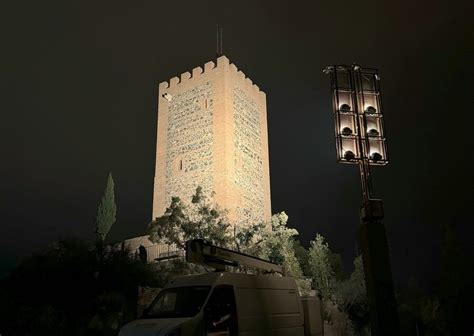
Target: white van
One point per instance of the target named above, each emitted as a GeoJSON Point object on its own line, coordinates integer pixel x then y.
{"type": "Point", "coordinates": [223, 304]}
{"type": "Point", "coordinates": [226, 303]}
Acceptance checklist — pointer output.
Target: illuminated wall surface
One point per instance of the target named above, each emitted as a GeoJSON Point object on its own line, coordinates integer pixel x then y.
{"type": "Point", "coordinates": [212, 132]}
{"type": "Point", "coordinates": [189, 145]}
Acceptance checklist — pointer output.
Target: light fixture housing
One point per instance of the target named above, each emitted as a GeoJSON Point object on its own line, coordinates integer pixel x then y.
{"type": "Point", "coordinates": [349, 155]}
{"type": "Point", "coordinates": [376, 157]}
{"type": "Point", "coordinates": [344, 108]}
{"type": "Point", "coordinates": [346, 131]}
{"type": "Point", "coordinates": [373, 133]}
{"type": "Point", "coordinates": [370, 110]}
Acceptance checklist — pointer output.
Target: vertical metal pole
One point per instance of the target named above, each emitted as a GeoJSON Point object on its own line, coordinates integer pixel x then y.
{"type": "Point", "coordinates": [372, 236]}
{"type": "Point", "coordinates": [364, 166]}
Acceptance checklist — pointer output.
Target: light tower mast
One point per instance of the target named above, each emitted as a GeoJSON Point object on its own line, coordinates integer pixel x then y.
{"type": "Point", "coordinates": [360, 139]}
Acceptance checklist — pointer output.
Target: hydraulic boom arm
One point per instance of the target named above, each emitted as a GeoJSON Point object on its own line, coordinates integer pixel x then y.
{"type": "Point", "coordinates": [198, 251]}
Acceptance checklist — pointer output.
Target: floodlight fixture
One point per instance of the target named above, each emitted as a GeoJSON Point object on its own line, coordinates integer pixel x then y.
{"type": "Point", "coordinates": [375, 157]}
{"type": "Point", "coordinates": [373, 133]}
{"type": "Point", "coordinates": [346, 131]}
{"type": "Point", "coordinates": [344, 108]}
{"type": "Point", "coordinates": [357, 115]}
{"type": "Point", "coordinates": [327, 70]}
{"type": "Point", "coordinates": [370, 110]}
{"type": "Point", "coordinates": [349, 155]}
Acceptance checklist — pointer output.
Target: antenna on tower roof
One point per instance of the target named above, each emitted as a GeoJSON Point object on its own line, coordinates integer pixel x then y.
{"type": "Point", "coordinates": [219, 41]}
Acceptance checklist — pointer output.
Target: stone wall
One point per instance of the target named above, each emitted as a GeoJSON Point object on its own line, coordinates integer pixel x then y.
{"type": "Point", "coordinates": [248, 172]}
{"type": "Point", "coordinates": [153, 251]}
{"type": "Point", "coordinates": [212, 132]}
{"type": "Point", "coordinates": [189, 146]}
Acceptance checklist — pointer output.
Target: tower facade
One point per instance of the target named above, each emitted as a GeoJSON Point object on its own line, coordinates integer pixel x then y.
{"type": "Point", "coordinates": [212, 132]}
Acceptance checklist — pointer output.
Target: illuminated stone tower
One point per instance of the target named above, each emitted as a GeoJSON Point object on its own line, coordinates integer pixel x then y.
{"type": "Point", "coordinates": [212, 132]}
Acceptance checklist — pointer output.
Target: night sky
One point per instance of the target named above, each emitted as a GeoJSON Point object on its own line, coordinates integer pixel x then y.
{"type": "Point", "coordinates": [78, 99]}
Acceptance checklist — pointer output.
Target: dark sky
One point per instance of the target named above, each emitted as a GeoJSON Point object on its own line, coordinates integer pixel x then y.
{"type": "Point", "coordinates": [79, 98]}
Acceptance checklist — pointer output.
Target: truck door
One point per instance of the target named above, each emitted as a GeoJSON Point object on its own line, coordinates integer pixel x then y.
{"type": "Point", "coordinates": [220, 313]}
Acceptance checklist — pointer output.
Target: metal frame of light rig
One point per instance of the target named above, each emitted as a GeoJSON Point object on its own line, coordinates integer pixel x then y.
{"type": "Point", "coordinates": [358, 119]}
{"type": "Point", "coordinates": [360, 139]}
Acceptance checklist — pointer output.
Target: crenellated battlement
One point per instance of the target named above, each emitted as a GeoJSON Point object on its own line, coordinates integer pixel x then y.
{"type": "Point", "coordinates": [222, 62]}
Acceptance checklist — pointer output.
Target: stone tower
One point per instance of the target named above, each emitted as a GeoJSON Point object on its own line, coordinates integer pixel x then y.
{"type": "Point", "coordinates": [212, 132]}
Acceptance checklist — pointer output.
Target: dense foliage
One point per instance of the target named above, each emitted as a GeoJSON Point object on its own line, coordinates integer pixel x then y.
{"type": "Point", "coordinates": [78, 288]}
{"type": "Point", "coordinates": [66, 290]}
{"type": "Point", "coordinates": [200, 218]}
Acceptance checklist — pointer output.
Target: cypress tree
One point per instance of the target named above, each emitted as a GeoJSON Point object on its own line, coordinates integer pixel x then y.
{"type": "Point", "coordinates": [106, 211]}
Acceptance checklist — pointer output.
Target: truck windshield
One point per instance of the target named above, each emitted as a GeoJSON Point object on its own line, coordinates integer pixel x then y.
{"type": "Point", "coordinates": [178, 302]}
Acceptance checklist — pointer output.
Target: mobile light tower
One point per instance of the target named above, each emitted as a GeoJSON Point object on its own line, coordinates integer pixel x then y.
{"type": "Point", "coordinates": [360, 140]}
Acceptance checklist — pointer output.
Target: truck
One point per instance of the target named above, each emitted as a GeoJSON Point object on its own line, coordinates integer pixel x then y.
{"type": "Point", "coordinates": [229, 303]}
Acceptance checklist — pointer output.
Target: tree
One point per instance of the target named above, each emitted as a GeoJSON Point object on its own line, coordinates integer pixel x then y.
{"type": "Point", "coordinates": [203, 219]}
{"type": "Point", "coordinates": [302, 254]}
{"type": "Point", "coordinates": [278, 246]}
{"type": "Point", "coordinates": [352, 297]}
{"type": "Point", "coordinates": [335, 261]}
{"type": "Point", "coordinates": [200, 219]}
{"type": "Point", "coordinates": [106, 213]}
{"type": "Point", "coordinates": [320, 267]}
{"type": "Point", "coordinates": [275, 243]}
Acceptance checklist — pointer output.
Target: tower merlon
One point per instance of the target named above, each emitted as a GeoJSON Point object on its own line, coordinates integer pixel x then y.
{"type": "Point", "coordinates": [209, 66]}
{"type": "Point", "coordinates": [222, 61]}
{"type": "Point", "coordinates": [163, 86]}
{"type": "Point", "coordinates": [185, 76]}
{"type": "Point", "coordinates": [173, 82]}
{"type": "Point", "coordinates": [248, 83]}
{"type": "Point", "coordinates": [241, 75]}
{"type": "Point", "coordinates": [197, 71]}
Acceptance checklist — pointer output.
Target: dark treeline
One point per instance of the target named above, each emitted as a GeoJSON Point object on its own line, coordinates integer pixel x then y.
{"type": "Point", "coordinates": [71, 288]}
{"type": "Point", "coordinates": [76, 287]}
